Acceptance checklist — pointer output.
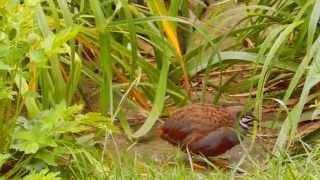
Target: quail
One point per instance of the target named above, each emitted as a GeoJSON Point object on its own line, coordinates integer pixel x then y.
{"type": "Point", "coordinates": [205, 129]}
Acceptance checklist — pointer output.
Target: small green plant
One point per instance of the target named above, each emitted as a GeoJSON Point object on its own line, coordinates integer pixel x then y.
{"type": "Point", "coordinates": [42, 175]}
{"type": "Point", "coordinates": [54, 139]}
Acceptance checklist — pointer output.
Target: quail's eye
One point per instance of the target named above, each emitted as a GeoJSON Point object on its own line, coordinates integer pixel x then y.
{"type": "Point", "coordinates": [241, 115]}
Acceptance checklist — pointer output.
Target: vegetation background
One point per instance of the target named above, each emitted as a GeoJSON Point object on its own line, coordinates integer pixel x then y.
{"type": "Point", "coordinates": [73, 73]}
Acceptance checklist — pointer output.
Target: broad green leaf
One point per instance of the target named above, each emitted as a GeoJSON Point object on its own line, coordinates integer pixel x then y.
{"type": "Point", "coordinates": [198, 65]}
{"type": "Point", "coordinates": [29, 148]}
{"type": "Point", "coordinates": [47, 156]}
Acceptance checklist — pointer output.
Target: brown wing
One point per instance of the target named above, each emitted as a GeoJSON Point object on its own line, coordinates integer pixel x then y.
{"type": "Point", "coordinates": [192, 120]}
{"type": "Point", "coordinates": [175, 131]}
{"type": "Point", "coordinates": [203, 117]}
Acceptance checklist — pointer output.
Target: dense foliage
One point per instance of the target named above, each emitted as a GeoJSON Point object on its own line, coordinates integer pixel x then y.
{"type": "Point", "coordinates": [140, 55]}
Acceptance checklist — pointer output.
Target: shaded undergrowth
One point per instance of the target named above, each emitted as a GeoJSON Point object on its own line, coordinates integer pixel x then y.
{"type": "Point", "coordinates": [145, 55]}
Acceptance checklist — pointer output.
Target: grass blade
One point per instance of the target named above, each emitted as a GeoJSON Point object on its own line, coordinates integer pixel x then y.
{"type": "Point", "coordinates": [106, 95]}
{"type": "Point", "coordinates": [159, 99]}
{"type": "Point", "coordinates": [289, 127]}
{"type": "Point", "coordinates": [268, 64]}
{"type": "Point", "coordinates": [170, 30]}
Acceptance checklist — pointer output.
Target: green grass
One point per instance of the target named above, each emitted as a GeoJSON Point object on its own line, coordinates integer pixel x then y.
{"type": "Point", "coordinates": [302, 166]}
{"type": "Point", "coordinates": [46, 55]}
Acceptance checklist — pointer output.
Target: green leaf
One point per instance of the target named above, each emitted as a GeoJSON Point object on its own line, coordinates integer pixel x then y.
{"type": "Point", "coordinates": [6, 92]}
{"type": "Point", "coordinates": [289, 127]}
{"type": "Point", "coordinates": [42, 175]}
{"type": "Point", "coordinates": [4, 50]}
{"type": "Point", "coordinates": [53, 116]}
{"type": "Point", "coordinates": [32, 2]}
{"type": "Point", "coordinates": [159, 100]}
{"type": "Point", "coordinates": [301, 69]}
{"type": "Point", "coordinates": [270, 59]}
{"type": "Point", "coordinates": [4, 66]}
{"type": "Point", "coordinates": [313, 23]}
{"type": "Point", "coordinates": [3, 158]}
{"type": "Point", "coordinates": [71, 111]}
{"type": "Point", "coordinates": [38, 58]}
{"type": "Point", "coordinates": [98, 14]}
{"type": "Point", "coordinates": [106, 94]}
{"type": "Point", "coordinates": [30, 102]}
{"type": "Point", "coordinates": [197, 65]}
{"type": "Point", "coordinates": [47, 156]}
{"type": "Point", "coordinates": [97, 120]}
{"type": "Point", "coordinates": [29, 148]}
{"type": "Point", "coordinates": [65, 35]}
{"type": "Point", "coordinates": [300, 2]}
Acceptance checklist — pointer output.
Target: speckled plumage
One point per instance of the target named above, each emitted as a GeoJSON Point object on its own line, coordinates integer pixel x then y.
{"type": "Point", "coordinates": [204, 129]}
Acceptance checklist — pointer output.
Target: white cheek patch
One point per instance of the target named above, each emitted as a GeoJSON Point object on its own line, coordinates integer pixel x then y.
{"type": "Point", "coordinates": [246, 119]}
{"type": "Point", "coordinates": [243, 125]}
